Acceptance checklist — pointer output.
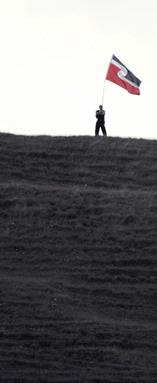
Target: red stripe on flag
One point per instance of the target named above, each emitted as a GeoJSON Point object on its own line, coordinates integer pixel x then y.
{"type": "Point", "coordinates": [112, 75]}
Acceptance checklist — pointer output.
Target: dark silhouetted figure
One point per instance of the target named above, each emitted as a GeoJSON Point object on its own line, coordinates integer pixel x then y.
{"type": "Point", "coordinates": [100, 115]}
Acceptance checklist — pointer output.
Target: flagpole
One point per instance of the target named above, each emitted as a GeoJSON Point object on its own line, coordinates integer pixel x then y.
{"type": "Point", "coordinates": [104, 86]}
{"type": "Point", "coordinates": [103, 93]}
{"type": "Point", "coordinates": [105, 83]}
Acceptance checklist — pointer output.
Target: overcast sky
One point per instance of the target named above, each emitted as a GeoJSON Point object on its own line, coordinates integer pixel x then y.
{"type": "Point", "coordinates": [54, 55]}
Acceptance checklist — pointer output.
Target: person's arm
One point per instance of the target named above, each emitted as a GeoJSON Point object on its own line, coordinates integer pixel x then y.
{"type": "Point", "coordinates": [97, 113]}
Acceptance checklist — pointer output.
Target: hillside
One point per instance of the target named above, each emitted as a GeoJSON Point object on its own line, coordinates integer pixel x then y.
{"type": "Point", "coordinates": [78, 260]}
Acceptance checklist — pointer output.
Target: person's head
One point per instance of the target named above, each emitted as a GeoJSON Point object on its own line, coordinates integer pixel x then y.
{"type": "Point", "coordinates": [100, 107]}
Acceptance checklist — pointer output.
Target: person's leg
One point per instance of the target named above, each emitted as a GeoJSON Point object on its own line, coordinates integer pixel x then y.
{"type": "Point", "coordinates": [97, 127]}
{"type": "Point", "coordinates": [103, 130]}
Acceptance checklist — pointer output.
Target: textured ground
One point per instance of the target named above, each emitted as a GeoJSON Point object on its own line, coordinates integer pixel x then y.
{"type": "Point", "coordinates": [78, 260]}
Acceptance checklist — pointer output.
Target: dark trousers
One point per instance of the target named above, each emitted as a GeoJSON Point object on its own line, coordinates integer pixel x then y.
{"type": "Point", "coordinates": [98, 126]}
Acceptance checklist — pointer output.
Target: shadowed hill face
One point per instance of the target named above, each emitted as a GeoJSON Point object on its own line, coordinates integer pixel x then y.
{"type": "Point", "coordinates": [78, 259]}
{"type": "Point", "coordinates": [110, 163]}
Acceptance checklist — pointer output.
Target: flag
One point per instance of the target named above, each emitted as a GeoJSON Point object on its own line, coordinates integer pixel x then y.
{"type": "Point", "coordinates": [121, 75]}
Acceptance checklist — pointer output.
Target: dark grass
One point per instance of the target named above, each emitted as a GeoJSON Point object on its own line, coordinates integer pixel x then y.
{"type": "Point", "coordinates": [78, 260]}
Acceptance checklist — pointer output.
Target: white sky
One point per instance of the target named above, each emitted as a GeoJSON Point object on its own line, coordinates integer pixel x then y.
{"type": "Point", "coordinates": [54, 55]}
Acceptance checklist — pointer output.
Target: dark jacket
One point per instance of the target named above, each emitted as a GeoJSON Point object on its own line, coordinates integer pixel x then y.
{"type": "Point", "coordinates": [100, 115]}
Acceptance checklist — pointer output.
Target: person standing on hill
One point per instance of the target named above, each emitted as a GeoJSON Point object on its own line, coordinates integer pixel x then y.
{"type": "Point", "coordinates": [100, 115]}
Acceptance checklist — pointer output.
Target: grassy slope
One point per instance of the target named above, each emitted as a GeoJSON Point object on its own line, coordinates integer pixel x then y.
{"type": "Point", "coordinates": [78, 264]}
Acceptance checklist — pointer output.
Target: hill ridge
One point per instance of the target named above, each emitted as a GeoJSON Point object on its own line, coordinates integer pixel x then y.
{"type": "Point", "coordinates": [127, 162]}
